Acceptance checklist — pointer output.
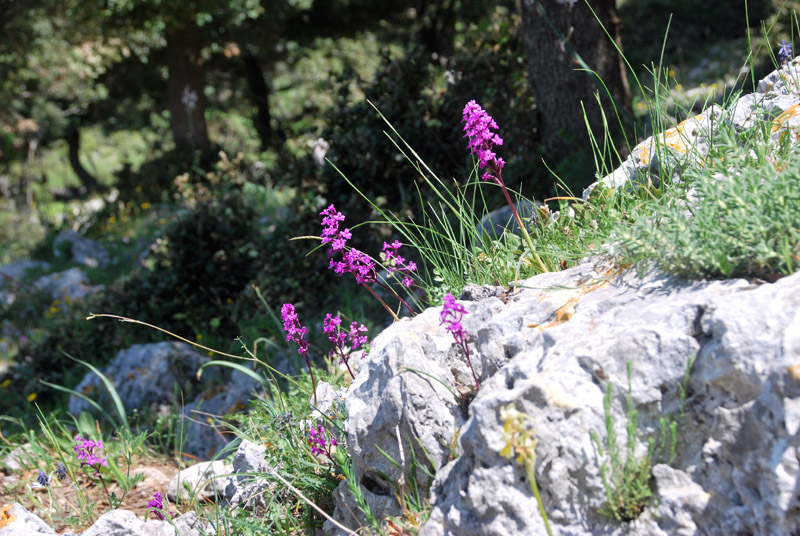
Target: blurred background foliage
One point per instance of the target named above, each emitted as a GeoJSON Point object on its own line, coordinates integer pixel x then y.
{"type": "Point", "coordinates": [202, 127]}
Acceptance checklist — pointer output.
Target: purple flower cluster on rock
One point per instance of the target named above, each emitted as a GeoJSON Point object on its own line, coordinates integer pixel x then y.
{"type": "Point", "coordinates": [84, 448]}
{"type": "Point", "coordinates": [451, 316]}
{"type": "Point", "coordinates": [156, 506]}
{"type": "Point", "coordinates": [477, 125]}
{"type": "Point", "coordinates": [319, 443]}
{"type": "Point", "coordinates": [294, 331]}
{"type": "Point", "coordinates": [340, 337]}
{"type": "Point", "coordinates": [395, 263]}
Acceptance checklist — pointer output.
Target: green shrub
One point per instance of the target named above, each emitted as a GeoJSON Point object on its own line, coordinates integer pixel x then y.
{"type": "Point", "coordinates": [415, 94]}
{"type": "Point", "coordinates": [738, 215]}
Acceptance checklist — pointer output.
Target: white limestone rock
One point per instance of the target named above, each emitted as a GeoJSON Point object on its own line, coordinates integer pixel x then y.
{"type": "Point", "coordinates": [776, 101]}
{"type": "Point", "coordinates": [551, 349]}
{"type": "Point", "coordinates": [125, 523]}
{"type": "Point", "coordinates": [245, 488]}
{"type": "Point", "coordinates": [26, 523]}
{"type": "Point", "coordinates": [205, 480]}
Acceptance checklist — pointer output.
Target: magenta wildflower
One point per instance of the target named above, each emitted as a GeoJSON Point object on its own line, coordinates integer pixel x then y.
{"type": "Point", "coordinates": [294, 331]}
{"type": "Point", "coordinates": [340, 338]}
{"type": "Point", "coordinates": [481, 139]}
{"type": "Point", "coordinates": [156, 506]}
{"type": "Point", "coordinates": [357, 263]}
{"type": "Point", "coordinates": [344, 260]}
{"type": "Point", "coordinates": [395, 263]}
{"type": "Point", "coordinates": [84, 448]}
{"type": "Point", "coordinates": [478, 125]}
{"type": "Point", "coordinates": [331, 233]}
{"type": "Point", "coordinates": [451, 316]}
{"type": "Point", "coordinates": [353, 261]}
{"type": "Point", "coordinates": [297, 333]}
{"type": "Point", "coordinates": [319, 443]}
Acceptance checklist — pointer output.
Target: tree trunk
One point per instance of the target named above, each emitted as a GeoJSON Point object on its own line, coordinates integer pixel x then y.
{"type": "Point", "coordinates": [88, 181]}
{"type": "Point", "coordinates": [558, 87]}
{"type": "Point", "coordinates": [185, 84]}
{"type": "Point", "coordinates": [259, 94]}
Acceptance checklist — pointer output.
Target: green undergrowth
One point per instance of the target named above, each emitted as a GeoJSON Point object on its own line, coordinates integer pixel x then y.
{"type": "Point", "coordinates": [736, 216]}
{"type": "Point", "coordinates": [626, 476]}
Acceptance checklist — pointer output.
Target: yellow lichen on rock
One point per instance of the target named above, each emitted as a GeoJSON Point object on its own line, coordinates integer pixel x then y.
{"type": "Point", "coordinates": [794, 371]}
{"type": "Point", "coordinates": [782, 123]}
{"type": "Point", "coordinates": [5, 517]}
{"type": "Point", "coordinates": [781, 120]}
{"type": "Point", "coordinates": [674, 138]}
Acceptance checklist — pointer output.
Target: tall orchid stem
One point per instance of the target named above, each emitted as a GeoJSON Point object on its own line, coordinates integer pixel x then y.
{"type": "Point", "coordinates": [313, 381]}
{"type": "Point", "coordinates": [499, 180]}
{"type": "Point", "coordinates": [464, 345]}
{"type": "Point", "coordinates": [404, 302]}
{"type": "Point", "coordinates": [385, 306]}
{"type": "Point", "coordinates": [346, 360]}
{"type": "Point", "coordinates": [103, 482]}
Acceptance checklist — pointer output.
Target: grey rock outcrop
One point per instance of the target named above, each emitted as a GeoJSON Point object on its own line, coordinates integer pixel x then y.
{"type": "Point", "coordinates": [68, 286]}
{"type": "Point", "coordinates": [81, 249]}
{"type": "Point", "coordinates": [25, 523]}
{"type": "Point", "coordinates": [125, 523]}
{"type": "Point", "coordinates": [204, 439]}
{"type": "Point", "coordinates": [776, 101]}
{"type": "Point", "coordinates": [144, 375]}
{"type": "Point", "coordinates": [16, 271]}
{"type": "Point", "coordinates": [551, 349]}
{"type": "Point", "coordinates": [397, 398]}
{"type": "Point", "coordinates": [204, 480]}
{"type": "Point", "coordinates": [494, 223]}
{"type": "Point", "coordinates": [246, 488]}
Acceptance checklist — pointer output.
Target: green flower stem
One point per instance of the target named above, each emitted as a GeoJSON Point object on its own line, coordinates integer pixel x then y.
{"type": "Point", "coordinates": [522, 228]}
{"type": "Point", "coordinates": [385, 306]}
{"type": "Point", "coordinates": [531, 470]}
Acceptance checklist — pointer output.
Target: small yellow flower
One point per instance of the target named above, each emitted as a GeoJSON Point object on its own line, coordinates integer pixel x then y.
{"type": "Point", "coordinates": [672, 73]}
{"type": "Point", "coordinates": [145, 205]}
{"type": "Point", "coordinates": [210, 353]}
{"type": "Point", "coordinates": [199, 336]}
{"type": "Point", "coordinates": [519, 437]}
{"type": "Point", "coordinates": [228, 300]}
{"type": "Point", "coordinates": [31, 397]}
{"type": "Point", "coordinates": [138, 188]}
{"type": "Point", "coordinates": [112, 219]}
{"type": "Point", "coordinates": [6, 383]}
